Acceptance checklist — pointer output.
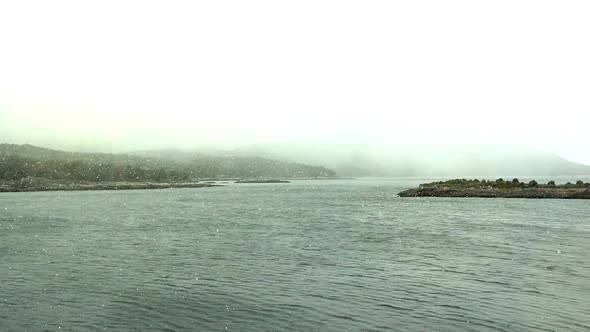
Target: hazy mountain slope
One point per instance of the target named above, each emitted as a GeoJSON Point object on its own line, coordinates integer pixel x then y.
{"type": "Point", "coordinates": [221, 163]}
{"type": "Point", "coordinates": [357, 159]}
{"type": "Point", "coordinates": [20, 161]}
{"type": "Point", "coordinates": [42, 154]}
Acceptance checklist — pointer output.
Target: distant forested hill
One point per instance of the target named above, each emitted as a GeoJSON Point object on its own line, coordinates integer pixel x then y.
{"type": "Point", "coordinates": [22, 161]}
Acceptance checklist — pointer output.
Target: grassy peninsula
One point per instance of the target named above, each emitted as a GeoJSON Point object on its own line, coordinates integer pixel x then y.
{"type": "Point", "coordinates": [500, 188]}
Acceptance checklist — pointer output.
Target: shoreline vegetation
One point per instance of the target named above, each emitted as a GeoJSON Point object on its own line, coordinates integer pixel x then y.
{"type": "Point", "coordinates": [262, 181]}
{"type": "Point", "coordinates": [31, 168]}
{"type": "Point", "coordinates": [40, 184]}
{"type": "Point", "coordinates": [30, 185]}
{"type": "Point", "coordinates": [500, 188]}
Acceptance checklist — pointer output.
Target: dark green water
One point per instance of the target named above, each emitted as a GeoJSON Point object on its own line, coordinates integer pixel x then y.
{"type": "Point", "coordinates": [305, 256]}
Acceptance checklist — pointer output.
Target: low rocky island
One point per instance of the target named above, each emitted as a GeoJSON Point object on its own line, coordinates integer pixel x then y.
{"type": "Point", "coordinates": [500, 188]}
{"type": "Point", "coordinates": [262, 181]}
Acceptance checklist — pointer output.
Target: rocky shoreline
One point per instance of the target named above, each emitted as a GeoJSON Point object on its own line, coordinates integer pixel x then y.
{"type": "Point", "coordinates": [262, 181]}
{"type": "Point", "coordinates": [499, 189]}
{"type": "Point", "coordinates": [30, 184]}
{"type": "Point", "coordinates": [19, 186]}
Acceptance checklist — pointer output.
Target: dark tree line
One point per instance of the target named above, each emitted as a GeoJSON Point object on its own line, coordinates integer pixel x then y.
{"type": "Point", "coordinates": [501, 183]}
{"type": "Point", "coordinates": [15, 167]}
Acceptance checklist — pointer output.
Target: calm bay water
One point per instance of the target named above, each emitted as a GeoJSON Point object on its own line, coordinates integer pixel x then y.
{"type": "Point", "coordinates": [306, 256]}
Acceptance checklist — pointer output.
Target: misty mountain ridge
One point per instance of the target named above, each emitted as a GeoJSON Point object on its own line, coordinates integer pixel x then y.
{"type": "Point", "coordinates": [353, 159]}
{"type": "Point", "coordinates": [459, 160]}
{"type": "Point", "coordinates": [22, 161]}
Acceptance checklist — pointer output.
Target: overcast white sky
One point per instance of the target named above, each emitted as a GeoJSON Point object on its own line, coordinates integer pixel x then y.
{"type": "Point", "coordinates": [137, 74]}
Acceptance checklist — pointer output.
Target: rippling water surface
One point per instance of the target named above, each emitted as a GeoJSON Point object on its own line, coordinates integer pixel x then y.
{"type": "Point", "coordinates": [307, 256]}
